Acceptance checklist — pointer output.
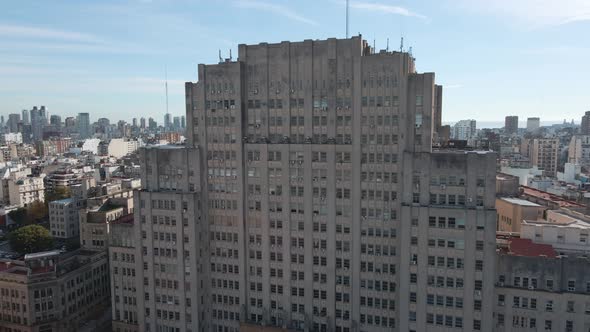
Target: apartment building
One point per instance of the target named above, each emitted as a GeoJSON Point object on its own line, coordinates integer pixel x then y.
{"type": "Point", "coordinates": [25, 190]}
{"type": "Point", "coordinates": [544, 153]}
{"type": "Point", "coordinates": [309, 198]}
{"type": "Point", "coordinates": [64, 217]}
{"type": "Point", "coordinates": [49, 291]}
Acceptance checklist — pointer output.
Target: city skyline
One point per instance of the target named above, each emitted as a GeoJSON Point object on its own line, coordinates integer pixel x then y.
{"type": "Point", "coordinates": [118, 68]}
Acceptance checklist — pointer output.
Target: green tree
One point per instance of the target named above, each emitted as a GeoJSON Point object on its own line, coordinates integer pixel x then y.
{"type": "Point", "coordinates": [29, 239]}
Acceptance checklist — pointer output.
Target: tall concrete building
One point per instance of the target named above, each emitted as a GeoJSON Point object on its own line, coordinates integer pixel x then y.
{"type": "Point", "coordinates": [84, 125]}
{"type": "Point", "coordinates": [142, 123]}
{"type": "Point", "coordinates": [533, 124]}
{"type": "Point", "coordinates": [183, 122]}
{"type": "Point", "coordinates": [511, 124]}
{"type": "Point", "coordinates": [585, 125]}
{"type": "Point", "coordinates": [309, 198]}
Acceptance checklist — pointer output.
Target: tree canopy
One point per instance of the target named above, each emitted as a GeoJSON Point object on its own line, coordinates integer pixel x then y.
{"type": "Point", "coordinates": [30, 239]}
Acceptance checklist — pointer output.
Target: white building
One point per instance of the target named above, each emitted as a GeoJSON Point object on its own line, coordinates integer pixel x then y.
{"type": "Point", "coordinates": [91, 145]}
{"type": "Point", "coordinates": [64, 217]}
{"type": "Point", "coordinates": [23, 191]}
{"type": "Point", "coordinates": [564, 229]}
{"type": "Point", "coordinates": [464, 130]}
{"type": "Point", "coordinates": [533, 124]}
{"type": "Point", "coordinates": [13, 138]}
{"type": "Point", "coordinates": [120, 147]}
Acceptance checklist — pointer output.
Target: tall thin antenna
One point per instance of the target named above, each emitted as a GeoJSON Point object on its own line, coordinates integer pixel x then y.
{"type": "Point", "coordinates": [230, 57]}
{"type": "Point", "coordinates": [347, 7]}
{"type": "Point", "coordinates": [401, 46]}
{"type": "Point", "coordinates": [220, 59]}
{"type": "Point", "coordinates": [166, 74]}
{"type": "Point", "coordinates": [387, 45]}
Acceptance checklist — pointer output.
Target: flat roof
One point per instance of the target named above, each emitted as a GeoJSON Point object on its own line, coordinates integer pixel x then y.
{"type": "Point", "coordinates": [63, 201]}
{"type": "Point", "coordinates": [42, 254]}
{"type": "Point", "coordinates": [519, 201]}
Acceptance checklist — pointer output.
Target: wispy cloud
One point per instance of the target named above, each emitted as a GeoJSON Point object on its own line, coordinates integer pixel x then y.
{"type": "Point", "coordinates": [535, 13]}
{"type": "Point", "coordinates": [385, 8]}
{"type": "Point", "coordinates": [30, 32]}
{"type": "Point", "coordinates": [274, 8]}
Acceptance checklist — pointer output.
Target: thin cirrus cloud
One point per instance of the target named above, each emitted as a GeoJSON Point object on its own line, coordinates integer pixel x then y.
{"type": "Point", "coordinates": [30, 32]}
{"type": "Point", "coordinates": [274, 8]}
{"type": "Point", "coordinates": [535, 13]}
{"type": "Point", "coordinates": [385, 9]}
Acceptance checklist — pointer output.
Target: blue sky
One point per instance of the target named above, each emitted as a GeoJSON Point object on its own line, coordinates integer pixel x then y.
{"type": "Point", "coordinates": [495, 57]}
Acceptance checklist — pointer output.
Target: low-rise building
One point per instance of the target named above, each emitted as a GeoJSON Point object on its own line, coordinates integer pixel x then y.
{"type": "Point", "coordinates": [512, 211]}
{"type": "Point", "coordinates": [49, 291]}
{"type": "Point", "coordinates": [120, 147]}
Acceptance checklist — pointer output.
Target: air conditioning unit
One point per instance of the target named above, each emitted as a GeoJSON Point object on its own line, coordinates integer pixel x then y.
{"type": "Point", "coordinates": [531, 287]}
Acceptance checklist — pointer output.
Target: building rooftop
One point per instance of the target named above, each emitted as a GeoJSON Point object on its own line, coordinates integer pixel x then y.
{"type": "Point", "coordinates": [64, 201]}
{"type": "Point", "coordinates": [527, 248]}
{"type": "Point", "coordinates": [562, 202]}
{"type": "Point", "coordinates": [518, 201]}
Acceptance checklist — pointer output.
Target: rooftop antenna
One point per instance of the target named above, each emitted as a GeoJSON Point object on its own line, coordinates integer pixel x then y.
{"type": "Point", "coordinates": [374, 50]}
{"type": "Point", "coordinates": [166, 74]}
{"type": "Point", "coordinates": [230, 57]}
{"type": "Point", "coordinates": [401, 46]}
{"type": "Point", "coordinates": [347, 6]}
{"type": "Point", "coordinates": [220, 59]}
{"type": "Point", "coordinates": [410, 50]}
{"type": "Point", "coordinates": [387, 45]}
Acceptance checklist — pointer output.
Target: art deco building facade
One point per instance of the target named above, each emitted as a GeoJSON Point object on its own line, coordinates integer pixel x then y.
{"type": "Point", "coordinates": [309, 198]}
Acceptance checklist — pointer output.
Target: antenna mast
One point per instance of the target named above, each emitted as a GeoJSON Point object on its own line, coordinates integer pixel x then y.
{"type": "Point", "coordinates": [166, 74]}
{"type": "Point", "coordinates": [387, 45]}
{"type": "Point", "coordinates": [347, 7]}
{"type": "Point", "coordinates": [401, 46]}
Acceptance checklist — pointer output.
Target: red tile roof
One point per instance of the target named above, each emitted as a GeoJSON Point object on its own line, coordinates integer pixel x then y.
{"type": "Point", "coordinates": [526, 247]}
{"type": "Point", "coordinates": [562, 202]}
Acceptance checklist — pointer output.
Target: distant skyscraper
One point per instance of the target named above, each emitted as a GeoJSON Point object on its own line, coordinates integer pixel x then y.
{"type": "Point", "coordinates": [585, 126]}
{"type": "Point", "coordinates": [55, 120]}
{"type": "Point", "coordinates": [38, 122]}
{"type": "Point", "coordinates": [533, 124]}
{"type": "Point", "coordinates": [182, 122]}
{"type": "Point", "coordinates": [176, 122]}
{"type": "Point", "coordinates": [167, 121]}
{"type": "Point", "coordinates": [511, 124]}
{"type": "Point", "coordinates": [84, 125]}
{"type": "Point", "coordinates": [2, 120]}
{"type": "Point", "coordinates": [152, 124]}
{"type": "Point", "coordinates": [464, 129]}
{"type": "Point", "coordinates": [142, 123]}
{"type": "Point", "coordinates": [134, 122]}
{"type": "Point", "coordinates": [13, 120]}
{"type": "Point", "coordinates": [26, 117]}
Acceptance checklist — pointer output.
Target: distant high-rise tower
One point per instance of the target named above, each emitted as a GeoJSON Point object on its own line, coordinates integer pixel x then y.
{"type": "Point", "coordinates": [182, 122]}
{"type": "Point", "coordinates": [84, 125]}
{"type": "Point", "coordinates": [167, 121]}
{"type": "Point", "coordinates": [464, 129]}
{"type": "Point", "coordinates": [38, 122]}
{"type": "Point", "coordinates": [533, 125]}
{"type": "Point", "coordinates": [55, 120]}
{"type": "Point", "coordinates": [26, 117]}
{"type": "Point", "coordinates": [176, 122]}
{"type": "Point", "coordinates": [585, 126]}
{"type": "Point", "coordinates": [142, 123]}
{"type": "Point", "coordinates": [511, 124]}
{"type": "Point", "coordinates": [134, 122]}
{"type": "Point", "coordinates": [153, 125]}
{"type": "Point", "coordinates": [13, 120]}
